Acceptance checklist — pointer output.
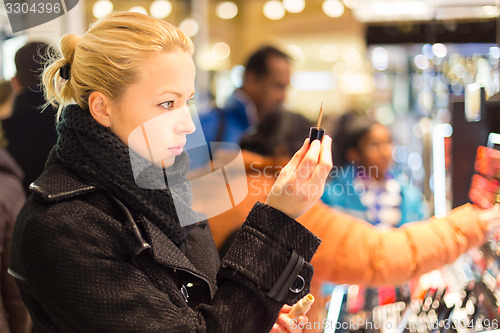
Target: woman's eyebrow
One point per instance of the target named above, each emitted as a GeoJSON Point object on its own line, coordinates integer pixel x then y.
{"type": "Point", "coordinates": [178, 94]}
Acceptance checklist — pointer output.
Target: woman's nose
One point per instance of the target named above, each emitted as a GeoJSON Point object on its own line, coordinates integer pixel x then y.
{"type": "Point", "coordinates": [185, 124]}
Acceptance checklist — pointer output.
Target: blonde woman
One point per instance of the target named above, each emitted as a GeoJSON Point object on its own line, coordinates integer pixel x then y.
{"type": "Point", "coordinates": [99, 248]}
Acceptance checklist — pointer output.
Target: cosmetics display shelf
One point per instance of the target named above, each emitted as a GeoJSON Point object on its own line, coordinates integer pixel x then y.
{"type": "Point", "coordinates": [494, 98]}
{"type": "Point", "coordinates": [468, 302]}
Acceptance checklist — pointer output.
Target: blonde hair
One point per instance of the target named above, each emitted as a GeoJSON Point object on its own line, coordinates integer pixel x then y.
{"type": "Point", "coordinates": [106, 58]}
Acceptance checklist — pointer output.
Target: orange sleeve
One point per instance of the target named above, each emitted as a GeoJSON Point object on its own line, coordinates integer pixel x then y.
{"type": "Point", "coordinates": [354, 251]}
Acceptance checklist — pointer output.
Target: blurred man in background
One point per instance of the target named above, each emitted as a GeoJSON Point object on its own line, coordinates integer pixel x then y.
{"type": "Point", "coordinates": [266, 78]}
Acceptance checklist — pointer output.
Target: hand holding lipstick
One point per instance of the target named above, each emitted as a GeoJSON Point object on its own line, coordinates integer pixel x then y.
{"type": "Point", "coordinates": [302, 181]}
{"type": "Point", "coordinates": [292, 319]}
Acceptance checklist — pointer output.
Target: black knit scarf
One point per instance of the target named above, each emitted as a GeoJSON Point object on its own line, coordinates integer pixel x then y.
{"type": "Point", "coordinates": [100, 158]}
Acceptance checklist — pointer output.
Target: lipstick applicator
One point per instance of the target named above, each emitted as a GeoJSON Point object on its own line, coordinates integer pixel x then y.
{"type": "Point", "coordinates": [317, 133]}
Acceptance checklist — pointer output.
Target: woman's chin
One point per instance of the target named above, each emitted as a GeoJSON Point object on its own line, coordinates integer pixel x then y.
{"type": "Point", "coordinates": [165, 163]}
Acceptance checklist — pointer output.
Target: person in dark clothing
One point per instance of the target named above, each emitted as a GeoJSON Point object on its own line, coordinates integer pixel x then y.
{"type": "Point", "coordinates": [30, 133]}
{"type": "Point", "coordinates": [266, 77]}
{"type": "Point", "coordinates": [100, 247]}
{"type": "Point", "coordinates": [13, 314]}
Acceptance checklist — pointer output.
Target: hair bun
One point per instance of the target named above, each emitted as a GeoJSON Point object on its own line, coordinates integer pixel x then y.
{"type": "Point", "coordinates": [68, 46]}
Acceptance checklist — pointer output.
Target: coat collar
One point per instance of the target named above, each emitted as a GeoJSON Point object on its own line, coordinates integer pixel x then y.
{"type": "Point", "coordinates": [58, 183]}
{"type": "Point", "coordinates": [166, 253]}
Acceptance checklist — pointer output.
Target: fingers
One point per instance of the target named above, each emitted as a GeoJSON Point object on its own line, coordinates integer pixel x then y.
{"type": "Point", "coordinates": [319, 156]}
{"type": "Point", "coordinates": [287, 325]}
{"type": "Point", "coordinates": [306, 167]}
{"type": "Point", "coordinates": [325, 162]}
{"type": "Point", "coordinates": [278, 329]}
{"type": "Point", "coordinates": [492, 218]}
{"type": "Point", "coordinates": [291, 325]}
{"type": "Point", "coordinates": [491, 213]}
{"type": "Point", "coordinates": [301, 182]}
{"type": "Point", "coordinates": [311, 178]}
{"type": "Point", "coordinates": [297, 157]}
{"type": "Point", "coordinates": [326, 151]}
{"type": "Point", "coordinates": [285, 309]}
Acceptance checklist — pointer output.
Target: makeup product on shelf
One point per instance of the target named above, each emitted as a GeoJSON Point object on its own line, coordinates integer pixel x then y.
{"type": "Point", "coordinates": [484, 192]}
{"type": "Point", "coordinates": [488, 162]}
{"type": "Point", "coordinates": [317, 133]}
{"type": "Point", "coordinates": [468, 292]}
{"type": "Point", "coordinates": [428, 300]}
{"type": "Point", "coordinates": [424, 301]}
{"type": "Point", "coordinates": [485, 185]}
{"type": "Point", "coordinates": [301, 307]}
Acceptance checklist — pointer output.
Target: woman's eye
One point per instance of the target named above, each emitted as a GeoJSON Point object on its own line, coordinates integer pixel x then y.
{"type": "Point", "coordinates": [168, 105]}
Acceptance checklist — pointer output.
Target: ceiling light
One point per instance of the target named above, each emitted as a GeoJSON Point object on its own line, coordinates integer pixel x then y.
{"type": "Point", "coordinates": [139, 9]}
{"type": "Point", "coordinates": [333, 8]}
{"type": "Point", "coordinates": [439, 50]}
{"type": "Point", "coordinates": [380, 58]}
{"type": "Point", "coordinates": [160, 9]}
{"type": "Point", "coordinates": [351, 4]}
{"type": "Point", "coordinates": [294, 6]}
{"type": "Point", "coordinates": [421, 61]}
{"type": "Point", "coordinates": [274, 10]}
{"type": "Point", "coordinates": [220, 51]}
{"type": "Point", "coordinates": [226, 10]}
{"type": "Point", "coordinates": [102, 8]}
{"type": "Point", "coordinates": [190, 26]}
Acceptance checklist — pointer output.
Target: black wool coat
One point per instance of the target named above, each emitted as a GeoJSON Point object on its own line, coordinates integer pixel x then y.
{"type": "Point", "coordinates": [83, 264]}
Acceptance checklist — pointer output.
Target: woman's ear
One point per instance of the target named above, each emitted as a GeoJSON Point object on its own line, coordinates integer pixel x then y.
{"type": "Point", "coordinates": [352, 155]}
{"type": "Point", "coordinates": [100, 107]}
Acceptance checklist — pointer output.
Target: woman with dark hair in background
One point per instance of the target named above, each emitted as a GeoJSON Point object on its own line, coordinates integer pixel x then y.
{"type": "Point", "coordinates": [363, 183]}
{"type": "Point", "coordinates": [352, 250]}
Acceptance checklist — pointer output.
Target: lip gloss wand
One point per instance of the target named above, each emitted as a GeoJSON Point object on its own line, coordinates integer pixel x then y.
{"type": "Point", "coordinates": [317, 133]}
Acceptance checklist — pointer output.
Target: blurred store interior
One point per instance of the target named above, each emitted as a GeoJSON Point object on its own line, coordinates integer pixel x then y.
{"type": "Point", "coordinates": [404, 62]}
{"type": "Point", "coordinates": [427, 69]}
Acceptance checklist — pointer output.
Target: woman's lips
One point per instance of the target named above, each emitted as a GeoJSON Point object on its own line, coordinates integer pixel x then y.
{"type": "Point", "coordinates": [177, 150]}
